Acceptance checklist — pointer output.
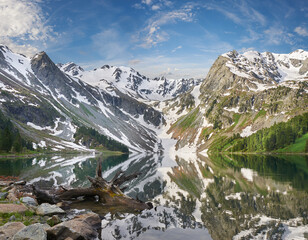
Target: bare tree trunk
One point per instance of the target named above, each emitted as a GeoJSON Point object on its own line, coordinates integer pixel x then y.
{"type": "Point", "coordinates": [109, 193]}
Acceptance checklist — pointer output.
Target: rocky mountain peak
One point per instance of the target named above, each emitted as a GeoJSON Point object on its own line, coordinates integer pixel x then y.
{"type": "Point", "coordinates": [268, 67]}
{"type": "Point", "coordinates": [71, 68]}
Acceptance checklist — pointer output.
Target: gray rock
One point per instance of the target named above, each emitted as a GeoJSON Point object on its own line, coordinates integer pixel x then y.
{"type": "Point", "coordinates": [8, 230]}
{"type": "Point", "coordinates": [48, 209]}
{"type": "Point", "coordinates": [3, 195]}
{"type": "Point", "coordinates": [29, 201]}
{"type": "Point", "coordinates": [33, 232]}
{"type": "Point", "coordinates": [81, 227]}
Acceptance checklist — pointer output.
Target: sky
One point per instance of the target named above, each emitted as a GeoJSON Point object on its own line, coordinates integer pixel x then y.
{"type": "Point", "coordinates": [174, 38]}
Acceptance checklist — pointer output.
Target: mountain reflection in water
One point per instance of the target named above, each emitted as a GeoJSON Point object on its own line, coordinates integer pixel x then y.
{"type": "Point", "coordinates": [221, 197]}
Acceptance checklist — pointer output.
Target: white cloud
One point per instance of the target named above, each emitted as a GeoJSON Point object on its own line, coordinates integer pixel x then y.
{"type": "Point", "coordinates": [276, 35]}
{"type": "Point", "coordinates": [22, 25]}
{"type": "Point", "coordinates": [155, 7]}
{"type": "Point", "coordinates": [152, 34]}
{"type": "Point", "coordinates": [301, 31]}
{"type": "Point", "coordinates": [147, 2]}
{"type": "Point", "coordinates": [177, 48]}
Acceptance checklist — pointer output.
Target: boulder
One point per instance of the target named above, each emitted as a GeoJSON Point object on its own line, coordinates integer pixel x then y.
{"type": "Point", "coordinates": [81, 227]}
{"type": "Point", "coordinates": [8, 230]}
{"type": "Point", "coordinates": [9, 208]}
{"type": "Point", "coordinates": [29, 201]}
{"type": "Point", "coordinates": [48, 209]}
{"type": "Point", "coordinates": [3, 195]}
{"type": "Point", "coordinates": [33, 232]}
{"type": "Point", "coordinates": [12, 197]}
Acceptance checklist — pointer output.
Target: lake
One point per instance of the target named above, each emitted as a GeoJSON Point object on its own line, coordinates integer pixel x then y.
{"type": "Point", "coordinates": [201, 197]}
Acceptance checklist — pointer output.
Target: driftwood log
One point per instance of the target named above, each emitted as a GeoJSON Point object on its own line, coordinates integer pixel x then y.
{"type": "Point", "coordinates": [109, 193]}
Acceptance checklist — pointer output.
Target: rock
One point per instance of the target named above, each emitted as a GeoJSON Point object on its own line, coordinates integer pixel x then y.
{"type": "Point", "coordinates": [9, 208]}
{"type": "Point", "coordinates": [33, 232]}
{"type": "Point", "coordinates": [3, 195]}
{"type": "Point", "coordinates": [48, 209]}
{"type": "Point", "coordinates": [12, 218]}
{"type": "Point", "coordinates": [8, 230]}
{"type": "Point", "coordinates": [11, 197]}
{"type": "Point", "coordinates": [81, 227]}
{"type": "Point", "coordinates": [54, 220]}
{"type": "Point", "coordinates": [29, 201]}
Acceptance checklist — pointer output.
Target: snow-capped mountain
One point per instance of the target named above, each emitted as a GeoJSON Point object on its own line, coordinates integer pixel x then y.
{"type": "Point", "coordinates": [38, 96]}
{"type": "Point", "coordinates": [242, 93]}
{"type": "Point", "coordinates": [71, 69]}
{"type": "Point", "coordinates": [117, 101]}
{"type": "Point", "coordinates": [129, 81]}
{"type": "Point", "coordinates": [269, 67]}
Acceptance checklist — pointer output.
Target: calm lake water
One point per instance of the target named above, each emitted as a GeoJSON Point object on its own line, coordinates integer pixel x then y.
{"type": "Point", "coordinates": [216, 197]}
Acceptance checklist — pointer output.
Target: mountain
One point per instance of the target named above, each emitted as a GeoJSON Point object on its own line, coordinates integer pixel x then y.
{"type": "Point", "coordinates": [130, 82]}
{"type": "Point", "coordinates": [48, 106]}
{"type": "Point", "coordinates": [241, 94]}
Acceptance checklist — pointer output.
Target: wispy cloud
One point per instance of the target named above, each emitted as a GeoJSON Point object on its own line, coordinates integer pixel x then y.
{"type": "Point", "coordinates": [177, 48]}
{"type": "Point", "coordinates": [276, 35]}
{"type": "Point", "coordinates": [22, 25]}
{"type": "Point", "coordinates": [301, 31]}
{"type": "Point", "coordinates": [153, 4]}
{"type": "Point", "coordinates": [238, 11]}
{"type": "Point", "coordinates": [153, 33]}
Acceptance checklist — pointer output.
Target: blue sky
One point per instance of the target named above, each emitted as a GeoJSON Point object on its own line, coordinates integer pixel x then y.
{"type": "Point", "coordinates": [156, 37]}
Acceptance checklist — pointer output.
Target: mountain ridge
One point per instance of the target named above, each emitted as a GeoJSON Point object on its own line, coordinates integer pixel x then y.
{"type": "Point", "coordinates": [241, 93]}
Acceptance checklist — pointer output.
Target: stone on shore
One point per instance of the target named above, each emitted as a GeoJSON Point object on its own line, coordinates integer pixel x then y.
{"type": "Point", "coordinates": [48, 209]}
{"type": "Point", "coordinates": [33, 232]}
{"type": "Point", "coordinates": [29, 201]}
{"type": "Point", "coordinates": [8, 230]}
{"type": "Point", "coordinates": [81, 227]}
{"type": "Point", "coordinates": [10, 208]}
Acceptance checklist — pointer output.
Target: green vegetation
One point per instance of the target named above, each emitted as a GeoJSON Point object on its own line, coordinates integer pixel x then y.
{"type": "Point", "coordinates": [282, 137]}
{"type": "Point", "coordinates": [235, 119]}
{"type": "Point", "coordinates": [93, 139]}
{"type": "Point", "coordinates": [261, 113]}
{"type": "Point", "coordinates": [187, 121]}
{"type": "Point", "coordinates": [26, 218]}
{"type": "Point", "coordinates": [300, 145]}
{"type": "Point", "coordinates": [210, 108]}
{"type": "Point", "coordinates": [10, 138]}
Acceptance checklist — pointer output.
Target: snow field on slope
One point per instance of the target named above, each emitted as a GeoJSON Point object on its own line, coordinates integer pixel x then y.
{"type": "Point", "coordinates": [261, 63]}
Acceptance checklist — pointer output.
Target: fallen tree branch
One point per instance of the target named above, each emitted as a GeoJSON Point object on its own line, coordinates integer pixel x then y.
{"type": "Point", "coordinates": [109, 193]}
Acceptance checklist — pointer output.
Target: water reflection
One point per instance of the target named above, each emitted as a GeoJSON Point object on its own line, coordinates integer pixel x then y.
{"type": "Point", "coordinates": [227, 195]}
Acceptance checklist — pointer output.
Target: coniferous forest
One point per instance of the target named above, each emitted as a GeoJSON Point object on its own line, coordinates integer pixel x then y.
{"type": "Point", "coordinates": [10, 138]}
{"type": "Point", "coordinates": [277, 137]}
{"type": "Point", "coordinates": [93, 139]}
